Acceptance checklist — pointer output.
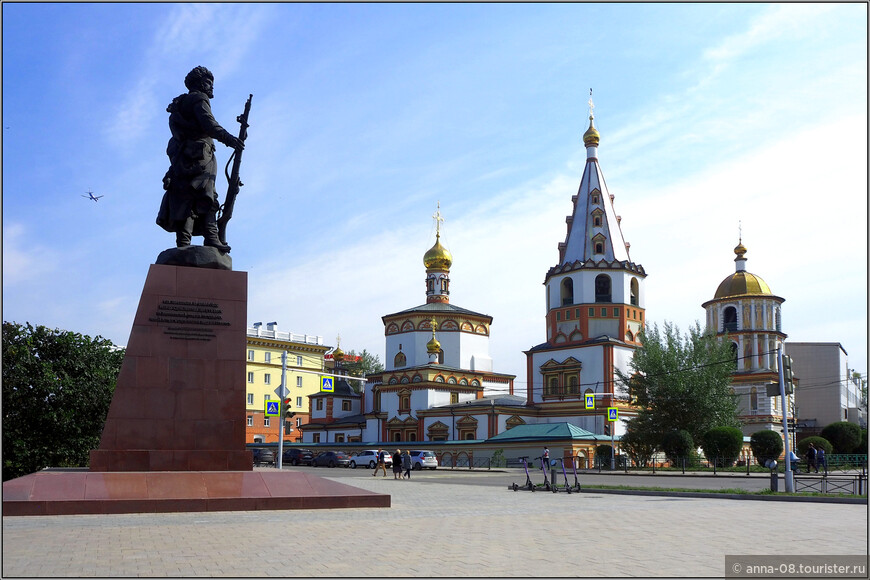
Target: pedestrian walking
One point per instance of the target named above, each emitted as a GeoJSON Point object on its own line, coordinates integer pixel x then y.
{"type": "Point", "coordinates": [545, 457]}
{"type": "Point", "coordinates": [811, 458]}
{"type": "Point", "coordinates": [381, 463]}
{"type": "Point", "coordinates": [406, 464]}
{"type": "Point", "coordinates": [820, 460]}
{"type": "Point", "coordinates": [397, 464]}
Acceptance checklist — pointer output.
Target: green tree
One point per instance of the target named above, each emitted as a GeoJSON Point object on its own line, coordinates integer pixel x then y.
{"type": "Point", "coordinates": [681, 382]}
{"type": "Point", "coordinates": [638, 443]}
{"type": "Point", "coordinates": [844, 436]}
{"type": "Point", "coordinates": [765, 444]}
{"type": "Point", "coordinates": [367, 364]}
{"type": "Point", "coordinates": [722, 445]}
{"type": "Point", "coordinates": [57, 386]}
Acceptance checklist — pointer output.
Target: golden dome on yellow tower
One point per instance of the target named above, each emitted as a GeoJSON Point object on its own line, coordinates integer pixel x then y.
{"type": "Point", "coordinates": [433, 346]}
{"type": "Point", "coordinates": [438, 257]}
{"type": "Point", "coordinates": [591, 137]}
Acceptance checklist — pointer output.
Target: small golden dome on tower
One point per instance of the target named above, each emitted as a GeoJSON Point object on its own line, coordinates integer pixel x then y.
{"type": "Point", "coordinates": [438, 257]}
{"type": "Point", "coordinates": [338, 354]}
{"type": "Point", "coordinates": [591, 137]}
{"type": "Point", "coordinates": [741, 282]}
{"type": "Point", "coordinates": [433, 346]}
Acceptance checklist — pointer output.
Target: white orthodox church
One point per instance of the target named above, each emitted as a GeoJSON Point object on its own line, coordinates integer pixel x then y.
{"type": "Point", "coordinates": [439, 383]}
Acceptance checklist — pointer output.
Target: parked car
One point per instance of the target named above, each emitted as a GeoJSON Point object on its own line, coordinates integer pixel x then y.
{"type": "Point", "coordinates": [421, 459]}
{"type": "Point", "coordinates": [263, 455]}
{"type": "Point", "coordinates": [297, 457]}
{"type": "Point", "coordinates": [369, 458]}
{"type": "Point", "coordinates": [331, 459]}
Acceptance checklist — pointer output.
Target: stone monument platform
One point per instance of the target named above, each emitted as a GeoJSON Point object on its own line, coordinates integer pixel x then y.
{"type": "Point", "coordinates": [174, 438]}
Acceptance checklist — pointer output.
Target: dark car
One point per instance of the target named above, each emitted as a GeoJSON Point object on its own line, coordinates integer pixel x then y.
{"type": "Point", "coordinates": [331, 459]}
{"type": "Point", "coordinates": [297, 457]}
{"type": "Point", "coordinates": [263, 456]}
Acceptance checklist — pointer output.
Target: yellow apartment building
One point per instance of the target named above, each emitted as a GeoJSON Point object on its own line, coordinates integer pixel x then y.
{"type": "Point", "coordinates": [305, 360]}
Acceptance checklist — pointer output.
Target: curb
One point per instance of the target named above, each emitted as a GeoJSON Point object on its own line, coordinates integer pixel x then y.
{"type": "Point", "coordinates": [745, 496]}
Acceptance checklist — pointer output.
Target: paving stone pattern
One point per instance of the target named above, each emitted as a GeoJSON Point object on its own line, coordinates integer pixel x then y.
{"type": "Point", "coordinates": [436, 528]}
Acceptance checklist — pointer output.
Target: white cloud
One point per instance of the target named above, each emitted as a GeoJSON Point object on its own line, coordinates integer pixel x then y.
{"type": "Point", "coordinates": [25, 260]}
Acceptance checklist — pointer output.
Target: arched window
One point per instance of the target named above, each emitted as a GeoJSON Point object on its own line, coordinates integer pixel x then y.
{"type": "Point", "coordinates": [400, 359]}
{"type": "Point", "coordinates": [753, 400]}
{"type": "Point", "coordinates": [602, 288]}
{"type": "Point", "coordinates": [778, 321]}
{"type": "Point", "coordinates": [567, 292]}
{"type": "Point", "coordinates": [573, 388]}
{"type": "Point", "coordinates": [635, 292]}
{"type": "Point", "coordinates": [729, 319]}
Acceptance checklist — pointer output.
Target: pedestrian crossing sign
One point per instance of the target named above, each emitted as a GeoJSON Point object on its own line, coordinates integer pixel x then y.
{"type": "Point", "coordinates": [590, 401]}
{"type": "Point", "coordinates": [272, 409]}
{"type": "Point", "coordinates": [612, 414]}
{"type": "Point", "coordinates": [326, 385]}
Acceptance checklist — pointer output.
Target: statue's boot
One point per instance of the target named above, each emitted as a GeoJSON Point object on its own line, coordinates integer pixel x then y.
{"type": "Point", "coordinates": [182, 237]}
{"type": "Point", "coordinates": [211, 235]}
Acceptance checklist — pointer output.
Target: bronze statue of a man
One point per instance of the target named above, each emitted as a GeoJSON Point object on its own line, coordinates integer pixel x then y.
{"type": "Point", "coordinates": [190, 205]}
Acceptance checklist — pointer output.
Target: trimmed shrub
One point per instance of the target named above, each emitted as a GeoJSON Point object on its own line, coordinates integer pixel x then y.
{"type": "Point", "coordinates": [766, 445]}
{"type": "Point", "coordinates": [861, 449]}
{"type": "Point", "coordinates": [677, 445]}
{"type": "Point", "coordinates": [844, 436]}
{"type": "Point", "coordinates": [816, 441]}
{"type": "Point", "coordinates": [722, 445]}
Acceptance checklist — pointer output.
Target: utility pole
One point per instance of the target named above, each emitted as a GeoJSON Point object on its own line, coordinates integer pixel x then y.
{"type": "Point", "coordinates": [282, 394]}
{"type": "Point", "coordinates": [789, 474]}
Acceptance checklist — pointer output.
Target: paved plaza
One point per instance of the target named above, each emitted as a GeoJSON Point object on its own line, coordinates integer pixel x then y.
{"type": "Point", "coordinates": [438, 525]}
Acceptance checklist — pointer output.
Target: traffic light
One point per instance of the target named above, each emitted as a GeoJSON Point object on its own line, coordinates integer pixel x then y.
{"type": "Point", "coordinates": [787, 375]}
{"type": "Point", "coordinates": [607, 428]}
{"type": "Point", "coordinates": [287, 409]}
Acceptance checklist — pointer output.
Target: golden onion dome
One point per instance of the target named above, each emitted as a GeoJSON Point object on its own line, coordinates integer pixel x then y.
{"type": "Point", "coordinates": [741, 284]}
{"type": "Point", "coordinates": [591, 137]}
{"type": "Point", "coordinates": [338, 354]}
{"type": "Point", "coordinates": [433, 346]}
{"type": "Point", "coordinates": [438, 257]}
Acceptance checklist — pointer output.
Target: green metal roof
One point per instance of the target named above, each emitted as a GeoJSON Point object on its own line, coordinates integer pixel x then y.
{"type": "Point", "coordinates": [546, 432]}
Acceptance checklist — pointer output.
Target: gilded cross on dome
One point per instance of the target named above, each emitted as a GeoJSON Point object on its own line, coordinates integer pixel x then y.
{"type": "Point", "coordinates": [591, 105]}
{"type": "Point", "coordinates": [438, 220]}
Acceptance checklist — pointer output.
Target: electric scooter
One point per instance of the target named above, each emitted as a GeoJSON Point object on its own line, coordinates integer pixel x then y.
{"type": "Point", "coordinates": [528, 484]}
{"type": "Point", "coordinates": [567, 487]}
{"type": "Point", "coordinates": [576, 482]}
{"type": "Point", "coordinates": [544, 471]}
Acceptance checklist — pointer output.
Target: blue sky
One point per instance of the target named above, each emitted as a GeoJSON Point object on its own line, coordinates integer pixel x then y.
{"type": "Point", "coordinates": [365, 116]}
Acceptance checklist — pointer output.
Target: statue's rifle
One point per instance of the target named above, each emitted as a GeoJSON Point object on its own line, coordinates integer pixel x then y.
{"type": "Point", "coordinates": [233, 180]}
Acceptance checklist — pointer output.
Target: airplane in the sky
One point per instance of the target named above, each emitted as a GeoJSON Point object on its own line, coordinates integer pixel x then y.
{"type": "Point", "coordinates": [92, 197]}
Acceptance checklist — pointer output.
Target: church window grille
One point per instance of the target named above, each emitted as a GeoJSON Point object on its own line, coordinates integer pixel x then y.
{"type": "Point", "coordinates": [573, 387]}
{"type": "Point", "coordinates": [567, 291]}
{"type": "Point", "coordinates": [753, 400]}
{"type": "Point", "coordinates": [729, 319]}
{"type": "Point", "coordinates": [602, 288]}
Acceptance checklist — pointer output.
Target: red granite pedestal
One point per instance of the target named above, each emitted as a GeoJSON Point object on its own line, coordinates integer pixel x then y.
{"type": "Point", "coordinates": [174, 438]}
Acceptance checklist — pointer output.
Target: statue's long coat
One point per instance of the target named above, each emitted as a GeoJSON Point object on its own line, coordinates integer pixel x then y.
{"type": "Point", "coordinates": [193, 167]}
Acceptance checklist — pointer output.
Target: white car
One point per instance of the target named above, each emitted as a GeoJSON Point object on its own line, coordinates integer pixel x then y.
{"type": "Point", "coordinates": [421, 459]}
{"type": "Point", "coordinates": [369, 458]}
